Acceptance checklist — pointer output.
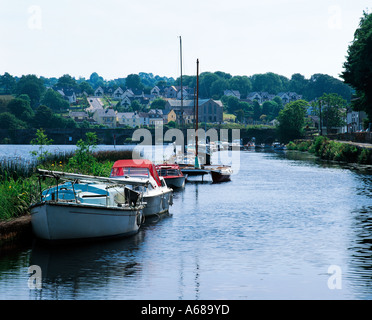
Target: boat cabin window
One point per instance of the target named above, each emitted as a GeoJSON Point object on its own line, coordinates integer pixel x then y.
{"type": "Point", "coordinates": [132, 172]}
{"type": "Point", "coordinates": [168, 172]}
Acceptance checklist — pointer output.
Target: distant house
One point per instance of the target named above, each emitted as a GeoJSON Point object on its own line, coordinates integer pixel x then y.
{"type": "Point", "coordinates": [118, 92]}
{"type": "Point", "coordinates": [255, 96]}
{"type": "Point", "coordinates": [131, 119]}
{"type": "Point", "coordinates": [155, 117]}
{"type": "Point", "coordinates": [171, 92]}
{"type": "Point", "coordinates": [106, 117]}
{"type": "Point", "coordinates": [68, 94]}
{"type": "Point", "coordinates": [79, 116]}
{"type": "Point", "coordinates": [233, 93]}
{"type": "Point", "coordinates": [209, 110]}
{"type": "Point", "coordinates": [288, 97]}
{"type": "Point", "coordinates": [169, 116]}
{"type": "Point", "coordinates": [354, 120]}
{"type": "Point", "coordinates": [99, 92]}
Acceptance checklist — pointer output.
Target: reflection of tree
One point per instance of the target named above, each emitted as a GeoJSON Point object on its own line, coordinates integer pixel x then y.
{"type": "Point", "coordinates": [361, 250]}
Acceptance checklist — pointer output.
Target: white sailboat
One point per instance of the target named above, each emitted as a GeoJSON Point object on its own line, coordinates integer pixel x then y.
{"type": "Point", "coordinates": [86, 207]}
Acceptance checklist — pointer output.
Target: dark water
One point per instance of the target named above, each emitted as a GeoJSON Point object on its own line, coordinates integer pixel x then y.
{"type": "Point", "coordinates": [273, 232]}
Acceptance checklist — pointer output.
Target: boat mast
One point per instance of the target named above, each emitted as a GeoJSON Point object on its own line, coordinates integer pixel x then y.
{"type": "Point", "coordinates": [197, 108]}
{"type": "Point", "coordinates": [181, 84]}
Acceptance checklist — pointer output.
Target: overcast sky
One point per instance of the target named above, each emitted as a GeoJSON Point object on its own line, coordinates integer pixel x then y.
{"type": "Point", "coordinates": [118, 37]}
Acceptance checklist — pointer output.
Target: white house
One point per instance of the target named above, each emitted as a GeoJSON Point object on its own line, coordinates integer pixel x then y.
{"type": "Point", "coordinates": [99, 92]}
{"type": "Point", "coordinates": [354, 120]}
{"type": "Point", "coordinates": [234, 93]}
{"type": "Point", "coordinates": [130, 119]}
{"type": "Point", "coordinates": [118, 93]}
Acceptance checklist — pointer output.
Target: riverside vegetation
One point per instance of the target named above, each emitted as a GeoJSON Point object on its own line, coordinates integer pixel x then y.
{"type": "Point", "coordinates": [19, 185]}
{"type": "Point", "coordinates": [328, 149]}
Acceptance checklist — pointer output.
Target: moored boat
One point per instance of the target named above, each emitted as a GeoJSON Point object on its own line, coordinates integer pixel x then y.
{"type": "Point", "coordinates": [86, 208]}
{"type": "Point", "coordinates": [221, 173]}
{"type": "Point", "coordinates": [172, 175]}
{"type": "Point", "coordinates": [156, 194]}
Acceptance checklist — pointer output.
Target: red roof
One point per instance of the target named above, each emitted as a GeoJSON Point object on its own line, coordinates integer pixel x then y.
{"type": "Point", "coordinates": [139, 163]}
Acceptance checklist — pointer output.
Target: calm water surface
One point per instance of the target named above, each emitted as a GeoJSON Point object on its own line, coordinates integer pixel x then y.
{"type": "Point", "coordinates": [270, 233]}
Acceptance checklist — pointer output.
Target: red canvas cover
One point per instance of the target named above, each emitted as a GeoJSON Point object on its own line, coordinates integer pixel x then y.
{"type": "Point", "coordinates": [139, 163]}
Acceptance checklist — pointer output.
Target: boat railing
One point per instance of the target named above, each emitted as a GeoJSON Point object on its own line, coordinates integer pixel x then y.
{"type": "Point", "coordinates": [123, 196]}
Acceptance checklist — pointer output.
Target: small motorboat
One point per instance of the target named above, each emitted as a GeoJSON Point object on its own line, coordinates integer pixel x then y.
{"type": "Point", "coordinates": [220, 173]}
{"type": "Point", "coordinates": [172, 175]}
{"type": "Point", "coordinates": [82, 207]}
{"type": "Point", "coordinates": [156, 194]}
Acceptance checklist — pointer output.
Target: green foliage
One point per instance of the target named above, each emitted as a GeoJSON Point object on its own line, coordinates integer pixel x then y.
{"type": "Point", "coordinates": [83, 161]}
{"type": "Point", "coordinates": [291, 120]}
{"type": "Point", "coordinates": [333, 150]}
{"type": "Point", "coordinates": [21, 109]}
{"type": "Point", "coordinates": [358, 65]}
{"type": "Point", "coordinates": [41, 141]}
{"type": "Point", "coordinates": [54, 100]}
{"type": "Point", "coordinates": [9, 121]}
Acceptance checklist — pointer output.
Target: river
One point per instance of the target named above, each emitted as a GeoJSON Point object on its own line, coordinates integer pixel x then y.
{"type": "Point", "coordinates": [287, 226]}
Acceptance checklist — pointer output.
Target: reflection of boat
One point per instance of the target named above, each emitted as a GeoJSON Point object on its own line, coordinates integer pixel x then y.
{"type": "Point", "coordinates": [263, 146]}
{"type": "Point", "coordinates": [156, 194]}
{"type": "Point", "coordinates": [86, 207]}
{"type": "Point", "coordinates": [278, 146]}
{"type": "Point", "coordinates": [251, 144]}
{"type": "Point", "coordinates": [172, 175]}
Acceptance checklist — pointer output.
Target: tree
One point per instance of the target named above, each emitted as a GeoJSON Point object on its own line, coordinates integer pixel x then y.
{"type": "Point", "coordinates": [242, 84]}
{"type": "Point", "coordinates": [217, 88]}
{"type": "Point", "coordinates": [86, 87]}
{"type": "Point", "coordinates": [358, 65]}
{"type": "Point", "coordinates": [9, 121]}
{"type": "Point", "coordinates": [7, 83]}
{"type": "Point", "coordinates": [133, 81]}
{"type": "Point", "coordinates": [21, 109]}
{"type": "Point", "coordinates": [333, 110]}
{"type": "Point", "coordinates": [54, 101]}
{"type": "Point", "coordinates": [268, 82]}
{"type": "Point", "coordinates": [257, 111]}
{"type": "Point", "coordinates": [292, 120]}
{"type": "Point", "coordinates": [323, 83]}
{"type": "Point", "coordinates": [66, 82]}
{"type": "Point", "coordinates": [43, 117]}
{"type": "Point", "coordinates": [41, 140]}
{"type": "Point", "coordinates": [271, 109]}
{"type": "Point", "coordinates": [33, 87]}
{"type": "Point", "coordinates": [158, 103]}
{"type": "Point", "coordinates": [206, 80]}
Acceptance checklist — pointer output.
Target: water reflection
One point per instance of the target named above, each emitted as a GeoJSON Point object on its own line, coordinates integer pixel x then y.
{"type": "Point", "coordinates": [270, 233]}
{"type": "Point", "coordinates": [360, 249]}
{"type": "Point", "coordinates": [75, 271]}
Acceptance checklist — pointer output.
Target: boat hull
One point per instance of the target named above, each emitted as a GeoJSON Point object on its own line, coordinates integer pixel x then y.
{"type": "Point", "coordinates": [55, 221]}
{"type": "Point", "coordinates": [157, 204]}
{"type": "Point", "coordinates": [220, 176]}
{"type": "Point", "coordinates": [175, 182]}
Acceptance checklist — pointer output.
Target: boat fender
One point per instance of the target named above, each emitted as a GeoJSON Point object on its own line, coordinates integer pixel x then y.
{"type": "Point", "coordinates": [139, 217]}
{"type": "Point", "coordinates": [171, 199]}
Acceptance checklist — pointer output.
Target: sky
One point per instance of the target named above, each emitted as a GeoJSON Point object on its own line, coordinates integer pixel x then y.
{"type": "Point", "coordinates": [119, 37]}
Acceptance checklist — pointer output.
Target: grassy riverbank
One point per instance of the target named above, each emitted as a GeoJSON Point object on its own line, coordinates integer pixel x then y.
{"type": "Point", "coordinates": [19, 187]}
{"type": "Point", "coordinates": [327, 149]}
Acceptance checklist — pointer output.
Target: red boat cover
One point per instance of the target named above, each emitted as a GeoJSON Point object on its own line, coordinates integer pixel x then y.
{"type": "Point", "coordinates": [137, 163]}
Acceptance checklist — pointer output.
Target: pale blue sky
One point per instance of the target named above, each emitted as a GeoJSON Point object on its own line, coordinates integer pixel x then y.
{"type": "Point", "coordinates": [117, 37]}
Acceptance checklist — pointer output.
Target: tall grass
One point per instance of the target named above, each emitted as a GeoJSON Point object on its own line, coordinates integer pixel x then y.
{"type": "Point", "coordinates": [332, 150]}
{"type": "Point", "coordinates": [19, 185]}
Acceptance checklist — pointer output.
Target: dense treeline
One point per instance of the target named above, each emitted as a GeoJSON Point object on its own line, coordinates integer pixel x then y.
{"type": "Point", "coordinates": [211, 84]}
